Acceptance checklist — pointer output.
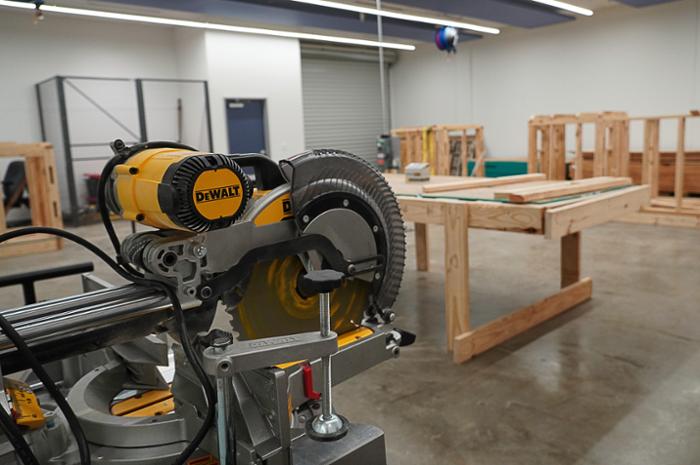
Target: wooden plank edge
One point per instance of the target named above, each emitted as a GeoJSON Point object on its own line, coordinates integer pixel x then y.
{"type": "Point", "coordinates": [577, 216]}
{"type": "Point", "coordinates": [670, 219]}
{"type": "Point", "coordinates": [16, 249]}
{"type": "Point", "coordinates": [471, 183]}
{"type": "Point", "coordinates": [491, 334]}
{"type": "Point", "coordinates": [545, 192]}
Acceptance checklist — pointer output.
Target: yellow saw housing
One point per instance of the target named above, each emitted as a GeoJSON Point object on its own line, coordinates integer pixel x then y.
{"type": "Point", "coordinates": [174, 188]}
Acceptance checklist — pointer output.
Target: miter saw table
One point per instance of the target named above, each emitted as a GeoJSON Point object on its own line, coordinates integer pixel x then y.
{"type": "Point", "coordinates": [302, 261]}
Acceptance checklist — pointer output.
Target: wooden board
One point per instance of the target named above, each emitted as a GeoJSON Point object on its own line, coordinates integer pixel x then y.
{"type": "Point", "coordinates": [561, 189]}
{"type": "Point", "coordinates": [482, 215]}
{"type": "Point", "coordinates": [471, 183]}
{"type": "Point", "coordinates": [498, 331]}
{"type": "Point", "coordinates": [663, 218]}
{"type": "Point", "coordinates": [598, 209]}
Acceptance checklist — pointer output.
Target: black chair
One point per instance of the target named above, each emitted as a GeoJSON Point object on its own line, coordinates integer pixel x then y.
{"type": "Point", "coordinates": [14, 185]}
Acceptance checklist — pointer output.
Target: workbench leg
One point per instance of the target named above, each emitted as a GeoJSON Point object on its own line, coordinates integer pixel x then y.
{"type": "Point", "coordinates": [456, 270]}
{"type": "Point", "coordinates": [570, 259]}
{"type": "Point", "coordinates": [422, 247]}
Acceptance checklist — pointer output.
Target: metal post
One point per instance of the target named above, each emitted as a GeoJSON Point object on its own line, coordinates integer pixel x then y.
{"type": "Point", "coordinates": [29, 292]}
{"type": "Point", "coordinates": [208, 114]}
{"type": "Point", "coordinates": [67, 152]}
{"type": "Point", "coordinates": [221, 430]}
{"type": "Point", "coordinates": [380, 38]}
{"type": "Point", "coordinates": [222, 425]}
{"type": "Point", "coordinates": [141, 110]}
{"type": "Point", "coordinates": [327, 425]}
{"type": "Point", "coordinates": [326, 400]}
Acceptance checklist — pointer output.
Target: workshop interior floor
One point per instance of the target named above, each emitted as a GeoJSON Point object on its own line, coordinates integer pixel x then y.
{"type": "Point", "coordinates": [614, 381]}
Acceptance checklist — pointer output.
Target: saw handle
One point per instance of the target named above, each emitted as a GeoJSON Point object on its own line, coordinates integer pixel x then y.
{"type": "Point", "coordinates": [320, 282]}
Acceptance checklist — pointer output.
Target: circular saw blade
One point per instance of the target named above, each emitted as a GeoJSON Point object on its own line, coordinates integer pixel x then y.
{"type": "Point", "coordinates": [271, 305]}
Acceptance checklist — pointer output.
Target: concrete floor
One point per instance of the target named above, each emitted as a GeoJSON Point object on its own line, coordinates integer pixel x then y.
{"type": "Point", "coordinates": [614, 381]}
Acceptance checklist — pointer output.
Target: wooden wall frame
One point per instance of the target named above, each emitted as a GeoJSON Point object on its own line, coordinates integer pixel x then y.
{"type": "Point", "coordinates": [40, 169]}
{"type": "Point", "coordinates": [432, 144]}
{"type": "Point", "coordinates": [611, 157]}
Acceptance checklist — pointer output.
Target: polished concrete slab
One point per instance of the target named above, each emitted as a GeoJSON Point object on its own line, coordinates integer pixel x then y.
{"type": "Point", "coordinates": [614, 381]}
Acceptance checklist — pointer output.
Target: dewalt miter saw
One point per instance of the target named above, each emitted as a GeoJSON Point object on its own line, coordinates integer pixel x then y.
{"type": "Point", "coordinates": [275, 281]}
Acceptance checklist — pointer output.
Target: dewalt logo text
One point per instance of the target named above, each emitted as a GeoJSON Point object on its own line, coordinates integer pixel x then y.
{"type": "Point", "coordinates": [217, 193]}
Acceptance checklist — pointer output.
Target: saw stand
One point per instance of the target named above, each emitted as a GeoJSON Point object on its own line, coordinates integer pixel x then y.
{"type": "Point", "coordinates": [327, 438]}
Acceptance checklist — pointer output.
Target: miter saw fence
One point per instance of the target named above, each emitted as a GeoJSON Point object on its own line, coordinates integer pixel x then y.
{"type": "Point", "coordinates": [229, 246]}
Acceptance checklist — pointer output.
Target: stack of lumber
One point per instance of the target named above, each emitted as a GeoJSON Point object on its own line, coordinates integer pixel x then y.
{"type": "Point", "coordinates": [667, 170]}
{"type": "Point", "coordinates": [560, 189]}
{"type": "Point", "coordinates": [522, 189]}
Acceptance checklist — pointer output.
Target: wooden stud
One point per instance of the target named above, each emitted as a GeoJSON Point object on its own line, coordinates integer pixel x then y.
{"type": "Point", "coordinates": [490, 335]}
{"type": "Point", "coordinates": [624, 147]}
{"type": "Point", "coordinates": [479, 152]}
{"type": "Point", "coordinates": [422, 247]}
{"type": "Point", "coordinates": [570, 259]}
{"type": "Point", "coordinates": [680, 165]}
{"type": "Point", "coordinates": [463, 152]}
{"type": "Point", "coordinates": [545, 153]}
{"type": "Point", "coordinates": [599, 153]}
{"type": "Point", "coordinates": [532, 165]}
{"type": "Point", "coordinates": [650, 156]}
{"type": "Point", "coordinates": [456, 270]}
{"type": "Point", "coordinates": [578, 160]}
{"type": "Point", "coordinates": [557, 165]}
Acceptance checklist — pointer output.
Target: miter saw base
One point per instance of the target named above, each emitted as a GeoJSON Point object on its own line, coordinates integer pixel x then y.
{"type": "Point", "coordinates": [362, 444]}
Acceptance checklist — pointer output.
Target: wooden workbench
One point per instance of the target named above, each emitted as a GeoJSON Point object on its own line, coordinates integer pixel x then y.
{"type": "Point", "coordinates": [458, 210]}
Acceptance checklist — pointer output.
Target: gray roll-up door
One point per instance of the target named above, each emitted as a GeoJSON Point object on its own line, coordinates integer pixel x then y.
{"type": "Point", "coordinates": [342, 104]}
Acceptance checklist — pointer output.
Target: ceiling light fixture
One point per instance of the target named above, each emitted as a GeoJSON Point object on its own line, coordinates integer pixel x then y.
{"type": "Point", "coordinates": [205, 25]}
{"type": "Point", "coordinates": [402, 16]}
{"type": "Point", "coordinates": [566, 6]}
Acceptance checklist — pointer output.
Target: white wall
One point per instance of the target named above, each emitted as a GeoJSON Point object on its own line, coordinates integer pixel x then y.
{"type": "Point", "coordinates": [643, 61]}
{"type": "Point", "coordinates": [235, 65]}
{"type": "Point", "coordinates": [246, 66]}
{"type": "Point", "coordinates": [59, 45]}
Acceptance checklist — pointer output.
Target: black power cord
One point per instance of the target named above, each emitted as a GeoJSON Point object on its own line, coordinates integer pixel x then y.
{"type": "Point", "coordinates": [14, 435]}
{"type": "Point", "coordinates": [185, 341]}
{"type": "Point", "coordinates": [121, 154]}
{"type": "Point", "coordinates": [126, 271]}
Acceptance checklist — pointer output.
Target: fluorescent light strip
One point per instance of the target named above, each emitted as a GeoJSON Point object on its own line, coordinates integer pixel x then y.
{"type": "Point", "coordinates": [205, 25]}
{"type": "Point", "coordinates": [402, 16]}
{"type": "Point", "coordinates": [566, 6]}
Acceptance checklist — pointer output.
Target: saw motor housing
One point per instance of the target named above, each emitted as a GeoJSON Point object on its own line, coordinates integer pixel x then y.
{"type": "Point", "coordinates": [172, 188]}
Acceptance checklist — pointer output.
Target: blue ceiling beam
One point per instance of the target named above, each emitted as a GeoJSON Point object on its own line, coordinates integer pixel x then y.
{"type": "Point", "coordinates": [519, 13]}
{"type": "Point", "coordinates": [641, 3]}
{"type": "Point", "coordinates": [298, 15]}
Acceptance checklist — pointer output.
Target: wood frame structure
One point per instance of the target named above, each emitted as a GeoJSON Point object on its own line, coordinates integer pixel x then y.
{"type": "Point", "coordinates": [434, 145]}
{"type": "Point", "coordinates": [547, 144]}
{"type": "Point", "coordinates": [40, 169]}
{"type": "Point", "coordinates": [611, 157]}
{"type": "Point", "coordinates": [561, 219]}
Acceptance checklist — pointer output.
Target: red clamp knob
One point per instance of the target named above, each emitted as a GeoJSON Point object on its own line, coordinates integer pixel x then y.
{"type": "Point", "coordinates": [308, 377]}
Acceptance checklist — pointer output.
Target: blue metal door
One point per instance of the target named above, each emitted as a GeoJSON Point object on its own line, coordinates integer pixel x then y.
{"type": "Point", "coordinates": [246, 126]}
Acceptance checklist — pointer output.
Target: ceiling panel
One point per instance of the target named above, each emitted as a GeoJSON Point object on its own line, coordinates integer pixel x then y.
{"type": "Point", "coordinates": [297, 15]}
{"type": "Point", "coordinates": [520, 13]}
{"type": "Point", "coordinates": [639, 3]}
